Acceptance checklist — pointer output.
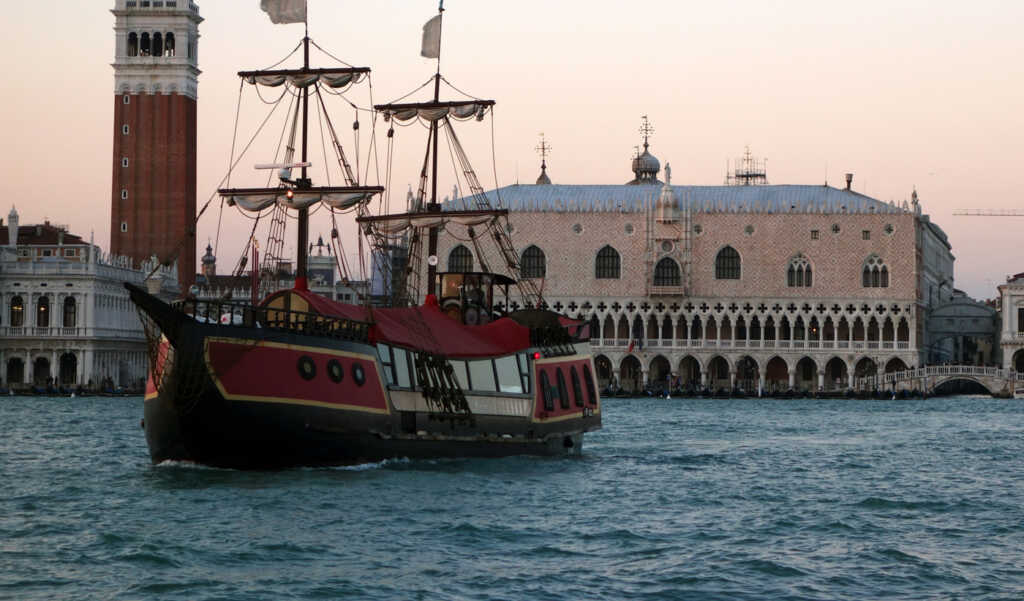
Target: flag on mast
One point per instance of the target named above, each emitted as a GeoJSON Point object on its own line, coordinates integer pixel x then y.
{"type": "Point", "coordinates": [432, 38]}
{"type": "Point", "coordinates": [285, 11]}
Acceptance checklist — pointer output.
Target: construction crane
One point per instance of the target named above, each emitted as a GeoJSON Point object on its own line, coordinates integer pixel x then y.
{"type": "Point", "coordinates": [990, 212]}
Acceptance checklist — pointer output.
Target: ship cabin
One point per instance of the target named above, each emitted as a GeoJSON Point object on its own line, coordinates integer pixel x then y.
{"type": "Point", "coordinates": [468, 297]}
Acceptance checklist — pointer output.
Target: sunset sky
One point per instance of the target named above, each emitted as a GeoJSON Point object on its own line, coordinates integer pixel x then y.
{"type": "Point", "coordinates": [902, 94]}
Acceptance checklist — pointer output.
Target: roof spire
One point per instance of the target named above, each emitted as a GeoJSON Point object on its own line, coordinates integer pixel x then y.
{"type": "Point", "coordinates": [543, 149]}
{"type": "Point", "coordinates": [646, 129]}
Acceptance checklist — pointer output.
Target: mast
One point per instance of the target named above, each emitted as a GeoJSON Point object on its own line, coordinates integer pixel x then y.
{"type": "Point", "coordinates": [433, 206]}
{"type": "Point", "coordinates": [301, 280]}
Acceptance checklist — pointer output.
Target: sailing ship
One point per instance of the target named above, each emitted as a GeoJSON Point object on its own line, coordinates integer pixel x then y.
{"type": "Point", "coordinates": [452, 367]}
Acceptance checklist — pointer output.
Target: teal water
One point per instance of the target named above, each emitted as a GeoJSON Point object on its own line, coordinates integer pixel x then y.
{"type": "Point", "coordinates": [674, 499]}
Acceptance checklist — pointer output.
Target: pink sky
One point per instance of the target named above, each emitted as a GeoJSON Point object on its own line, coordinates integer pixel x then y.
{"type": "Point", "coordinates": [925, 93]}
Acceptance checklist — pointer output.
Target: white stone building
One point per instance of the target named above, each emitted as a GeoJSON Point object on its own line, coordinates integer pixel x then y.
{"type": "Point", "coordinates": [65, 317]}
{"type": "Point", "coordinates": [1012, 336]}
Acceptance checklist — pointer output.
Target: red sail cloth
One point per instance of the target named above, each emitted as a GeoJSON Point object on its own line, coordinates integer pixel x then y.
{"type": "Point", "coordinates": [426, 328]}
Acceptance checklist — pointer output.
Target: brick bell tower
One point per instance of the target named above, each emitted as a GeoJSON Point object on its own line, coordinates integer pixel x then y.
{"type": "Point", "coordinates": [153, 196]}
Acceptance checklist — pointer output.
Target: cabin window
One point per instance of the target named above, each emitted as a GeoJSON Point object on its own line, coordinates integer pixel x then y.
{"type": "Point", "coordinates": [563, 394]}
{"type": "Point", "coordinates": [481, 375]}
{"type": "Point", "coordinates": [307, 368]}
{"type": "Point", "coordinates": [169, 44]}
{"type": "Point", "coordinates": [335, 372]}
{"type": "Point", "coordinates": [588, 380]}
{"type": "Point", "coordinates": [524, 371]}
{"type": "Point", "coordinates": [358, 374]}
{"type": "Point", "coordinates": [508, 374]}
{"type": "Point", "coordinates": [459, 367]}
{"type": "Point", "coordinates": [133, 45]}
{"type": "Point", "coordinates": [545, 389]}
{"type": "Point", "coordinates": [577, 391]}
{"type": "Point", "coordinates": [402, 367]}
{"type": "Point", "coordinates": [384, 352]}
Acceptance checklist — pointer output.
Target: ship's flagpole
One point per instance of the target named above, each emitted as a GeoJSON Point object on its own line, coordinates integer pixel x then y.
{"type": "Point", "coordinates": [434, 207]}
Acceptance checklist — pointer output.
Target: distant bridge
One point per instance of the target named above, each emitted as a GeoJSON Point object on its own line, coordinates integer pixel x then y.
{"type": "Point", "coordinates": [998, 381]}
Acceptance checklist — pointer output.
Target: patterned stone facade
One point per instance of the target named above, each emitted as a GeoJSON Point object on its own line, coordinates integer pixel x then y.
{"type": "Point", "coordinates": [752, 325]}
{"type": "Point", "coordinates": [1012, 336]}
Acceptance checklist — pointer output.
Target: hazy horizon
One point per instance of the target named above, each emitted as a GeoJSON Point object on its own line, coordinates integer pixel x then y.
{"type": "Point", "coordinates": [918, 93]}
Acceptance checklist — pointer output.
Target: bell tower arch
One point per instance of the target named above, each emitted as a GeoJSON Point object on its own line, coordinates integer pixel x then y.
{"type": "Point", "coordinates": [153, 186]}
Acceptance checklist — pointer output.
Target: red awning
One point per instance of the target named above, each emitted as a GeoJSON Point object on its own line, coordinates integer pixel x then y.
{"type": "Point", "coordinates": [426, 328]}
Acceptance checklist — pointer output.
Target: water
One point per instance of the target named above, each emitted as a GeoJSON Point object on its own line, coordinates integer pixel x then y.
{"type": "Point", "coordinates": [680, 499]}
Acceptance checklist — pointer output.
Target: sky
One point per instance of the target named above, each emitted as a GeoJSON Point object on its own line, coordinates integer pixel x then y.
{"type": "Point", "coordinates": [924, 94]}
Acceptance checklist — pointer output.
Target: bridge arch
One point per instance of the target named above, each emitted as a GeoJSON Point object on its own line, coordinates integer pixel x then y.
{"type": "Point", "coordinates": [947, 385]}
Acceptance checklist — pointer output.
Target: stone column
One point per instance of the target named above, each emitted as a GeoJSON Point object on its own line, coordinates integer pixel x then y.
{"type": "Point", "coordinates": [792, 379]}
{"type": "Point", "coordinates": [732, 379]}
{"type": "Point", "coordinates": [850, 375]}
{"type": "Point", "coordinates": [821, 379]}
{"type": "Point", "coordinates": [704, 378]}
{"type": "Point", "coordinates": [760, 382]}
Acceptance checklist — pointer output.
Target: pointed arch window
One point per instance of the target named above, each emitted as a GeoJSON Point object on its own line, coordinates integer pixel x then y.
{"type": "Point", "coordinates": [875, 273]}
{"type": "Point", "coordinates": [460, 260]}
{"type": "Point", "coordinates": [608, 265]}
{"type": "Point", "coordinates": [17, 312]}
{"type": "Point", "coordinates": [727, 264]}
{"type": "Point", "coordinates": [666, 273]}
{"type": "Point", "coordinates": [534, 263]}
{"type": "Point", "coordinates": [798, 274]}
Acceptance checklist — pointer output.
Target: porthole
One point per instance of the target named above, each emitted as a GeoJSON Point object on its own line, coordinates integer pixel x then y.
{"type": "Point", "coordinates": [358, 374]}
{"type": "Point", "coordinates": [307, 368]}
{"type": "Point", "coordinates": [335, 371]}
{"type": "Point", "coordinates": [666, 246]}
{"type": "Point", "coordinates": [629, 228]}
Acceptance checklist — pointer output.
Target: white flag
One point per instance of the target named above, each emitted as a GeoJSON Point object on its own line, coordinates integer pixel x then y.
{"type": "Point", "coordinates": [285, 11]}
{"type": "Point", "coordinates": [432, 38]}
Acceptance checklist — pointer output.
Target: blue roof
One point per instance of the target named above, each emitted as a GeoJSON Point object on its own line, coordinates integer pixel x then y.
{"type": "Point", "coordinates": [701, 199]}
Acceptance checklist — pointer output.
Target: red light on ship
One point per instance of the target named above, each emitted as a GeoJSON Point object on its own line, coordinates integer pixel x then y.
{"type": "Point", "coordinates": [536, 355]}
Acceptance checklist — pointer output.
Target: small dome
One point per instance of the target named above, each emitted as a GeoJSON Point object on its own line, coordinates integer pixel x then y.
{"type": "Point", "coordinates": [646, 163]}
{"type": "Point", "coordinates": [543, 179]}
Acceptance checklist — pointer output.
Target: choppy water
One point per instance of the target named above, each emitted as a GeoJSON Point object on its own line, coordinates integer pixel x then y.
{"type": "Point", "coordinates": [680, 499]}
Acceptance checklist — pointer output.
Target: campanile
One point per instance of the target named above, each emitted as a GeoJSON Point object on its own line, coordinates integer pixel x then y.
{"type": "Point", "coordinates": [153, 195]}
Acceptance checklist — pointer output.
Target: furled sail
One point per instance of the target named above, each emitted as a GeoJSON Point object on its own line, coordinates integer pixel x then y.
{"type": "Point", "coordinates": [435, 111]}
{"type": "Point", "coordinates": [303, 78]}
{"type": "Point", "coordinates": [337, 197]}
{"type": "Point", "coordinates": [393, 224]}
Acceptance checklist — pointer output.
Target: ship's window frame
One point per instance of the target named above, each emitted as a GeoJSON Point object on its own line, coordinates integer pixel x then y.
{"type": "Point", "coordinates": [591, 388]}
{"type": "Point", "coordinates": [387, 363]}
{"type": "Point", "coordinates": [481, 375]}
{"type": "Point", "coordinates": [358, 374]}
{"type": "Point", "coordinates": [577, 391]}
{"type": "Point", "coordinates": [563, 392]}
{"type": "Point", "coordinates": [545, 390]}
{"type": "Point", "coordinates": [509, 377]}
{"type": "Point", "coordinates": [524, 371]}
{"type": "Point", "coordinates": [461, 373]}
{"type": "Point", "coordinates": [401, 363]}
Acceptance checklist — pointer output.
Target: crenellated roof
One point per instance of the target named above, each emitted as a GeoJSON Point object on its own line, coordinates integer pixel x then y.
{"type": "Point", "coordinates": [700, 199]}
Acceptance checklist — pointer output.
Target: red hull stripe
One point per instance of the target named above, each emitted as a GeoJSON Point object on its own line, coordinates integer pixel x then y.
{"type": "Point", "coordinates": [269, 372]}
{"type": "Point", "coordinates": [550, 367]}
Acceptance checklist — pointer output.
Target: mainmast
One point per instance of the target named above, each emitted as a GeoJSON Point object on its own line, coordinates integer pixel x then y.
{"type": "Point", "coordinates": [301, 279]}
{"type": "Point", "coordinates": [434, 206]}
